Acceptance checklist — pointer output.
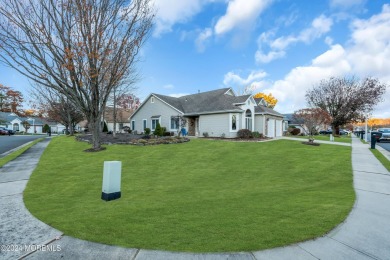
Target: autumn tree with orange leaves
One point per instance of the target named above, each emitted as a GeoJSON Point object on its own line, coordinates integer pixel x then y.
{"type": "Point", "coordinates": [271, 100]}
{"type": "Point", "coordinates": [82, 49]}
{"type": "Point", "coordinates": [10, 99]}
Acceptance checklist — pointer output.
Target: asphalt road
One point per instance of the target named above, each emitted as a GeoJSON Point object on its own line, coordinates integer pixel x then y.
{"type": "Point", "coordinates": [384, 145]}
{"type": "Point", "coordinates": [10, 142]}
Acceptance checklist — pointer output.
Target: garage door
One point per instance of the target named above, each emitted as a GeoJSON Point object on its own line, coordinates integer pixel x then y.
{"type": "Point", "coordinates": [271, 128]}
{"type": "Point", "coordinates": [279, 128]}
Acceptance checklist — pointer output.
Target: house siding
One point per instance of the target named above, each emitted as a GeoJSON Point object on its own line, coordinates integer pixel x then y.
{"type": "Point", "coordinates": [216, 125]}
{"type": "Point", "coordinates": [259, 123]}
{"type": "Point", "coordinates": [153, 109]}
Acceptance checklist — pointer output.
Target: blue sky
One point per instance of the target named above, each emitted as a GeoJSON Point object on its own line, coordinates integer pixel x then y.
{"type": "Point", "coordinates": [283, 47]}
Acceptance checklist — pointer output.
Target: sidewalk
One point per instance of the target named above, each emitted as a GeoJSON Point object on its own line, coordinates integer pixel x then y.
{"type": "Point", "coordinates": [364, 235]}
{"type": "Point", "coordinates": [316, 141]}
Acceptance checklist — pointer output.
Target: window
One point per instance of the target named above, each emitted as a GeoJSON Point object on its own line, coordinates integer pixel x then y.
{"type": "Point", "coordinates": [234, 122]}
{"type": "Point", "coordinates": [154, 123]}
{"type": "Point", "coordinates": [174, 123]}
{"type": "Point", "coordinates": [248, 120]}
{"type": "Point", "coordinates": [120, 126]}
{"type": "Point", "coordinates": [132, 125]}
{"type": "Point", "coordinates": [145, 121]}
{"type": "Point", "coordinates": [152, 100]}
{"type": "Point", "coordinates": [16, 127]}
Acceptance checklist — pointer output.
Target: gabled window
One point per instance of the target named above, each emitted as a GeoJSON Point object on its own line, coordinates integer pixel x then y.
{"type": "Point", "coordinates": [133, 125]}
{"type": "Point", "coordinates": [152, 100]}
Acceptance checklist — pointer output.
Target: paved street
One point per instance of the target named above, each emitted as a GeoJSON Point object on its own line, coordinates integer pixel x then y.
{"type": "Point", "coordinates": [10, 142]}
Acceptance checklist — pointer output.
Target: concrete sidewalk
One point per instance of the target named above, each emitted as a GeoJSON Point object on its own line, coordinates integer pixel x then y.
{"type": "Point", "coordinates": [364, 235]}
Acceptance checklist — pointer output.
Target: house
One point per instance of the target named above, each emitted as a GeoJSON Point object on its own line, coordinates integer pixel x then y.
{"type": "Point", "coordinates": [122, 118]}
{"type": "Point", "coordinates": [295, 122]}
{"type": "Point", "coordinates": [218, 113]}
{"type": "Point", "coordinates": [12, 121]}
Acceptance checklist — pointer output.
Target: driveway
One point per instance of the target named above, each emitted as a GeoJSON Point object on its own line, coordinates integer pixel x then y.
{"type": "Point", "coordinates": [10, 142]}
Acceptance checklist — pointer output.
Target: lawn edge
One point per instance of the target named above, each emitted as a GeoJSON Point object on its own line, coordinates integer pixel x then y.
{"type": "Point", "coordinates": [384, 161]}
{"type": "Point", "coordinates": [16, 152]}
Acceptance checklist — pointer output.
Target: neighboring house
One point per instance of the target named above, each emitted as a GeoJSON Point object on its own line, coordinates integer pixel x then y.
{"type": "Point", "coordinates": [13, 121]}
{"type": "Point", "coordinates": [219, 113]}
{"type": "Point", "coordinates": [122, 118]}
{"type": "Point", "coordinates": [297, 123]}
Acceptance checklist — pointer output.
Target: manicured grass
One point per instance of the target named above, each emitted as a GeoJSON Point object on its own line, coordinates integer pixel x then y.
{"type": "Point", "coordinates": [200, 196]}
{"type": "Point", "coordinates": [341, 139]}
{"type": "Point", "coordinates": [381, 158]}
{"type": "Point", "coordinates": [15, 154]}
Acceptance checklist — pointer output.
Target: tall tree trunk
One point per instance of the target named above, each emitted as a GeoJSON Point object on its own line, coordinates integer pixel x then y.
{"type": "Point", "coordinates": [95, 130]}
{"type": "Point", "coordinates": [335, 130]}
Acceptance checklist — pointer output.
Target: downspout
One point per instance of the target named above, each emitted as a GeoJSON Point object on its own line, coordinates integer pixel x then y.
{"type": "Point", "coordinates": [264, 124]}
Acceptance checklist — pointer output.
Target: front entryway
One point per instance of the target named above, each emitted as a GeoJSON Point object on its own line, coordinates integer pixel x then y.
{"type": "Point", "coordinates": [193, 126]}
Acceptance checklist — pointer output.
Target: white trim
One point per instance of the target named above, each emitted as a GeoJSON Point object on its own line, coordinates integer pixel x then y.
{"type": "Point", "coordinates": [231, 122]}
{"type": "Point", "coordinates": [151, 123]}
{"type": "Point", "coordinates": [230, 90]}
{"type": "Point", "coordinates": [170, 124]}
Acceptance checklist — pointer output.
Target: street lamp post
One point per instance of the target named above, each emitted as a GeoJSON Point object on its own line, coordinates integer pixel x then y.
{"type": "Point", "coordinates": [366, 130]}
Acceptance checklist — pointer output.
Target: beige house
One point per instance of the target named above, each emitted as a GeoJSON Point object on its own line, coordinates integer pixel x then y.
{"type": "Point", "coordinates": [122, 118]}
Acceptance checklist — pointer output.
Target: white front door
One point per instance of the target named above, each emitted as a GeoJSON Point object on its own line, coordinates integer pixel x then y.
{"type": "Point", "coordinates": [271, 128]}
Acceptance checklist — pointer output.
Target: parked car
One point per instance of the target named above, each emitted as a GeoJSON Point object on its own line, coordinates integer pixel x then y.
{"type": "Point", "coordinates": [344, 132]}
{"type": "Point", "coordinates": [326, 132]}
{"type": "Point", "coordinates": [6, 131]}
{"type": "Point", "coordinates": [385, 134]}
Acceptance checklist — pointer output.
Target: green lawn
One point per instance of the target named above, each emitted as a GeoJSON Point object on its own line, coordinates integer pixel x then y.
{"type": "Point", "coordinates": [381, 158]}
{"type": "Point", "coordinates": [200, 196]}
{"type": "Point", "coordinates": [341, 139]}
{"type": "Point", "coordinates": [15, 154]}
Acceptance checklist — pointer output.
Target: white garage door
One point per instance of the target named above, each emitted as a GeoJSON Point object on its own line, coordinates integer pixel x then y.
{"type": "Point", "coordinates": [271, 128]}
{"type": "Point", "coordinates": [279, 128]}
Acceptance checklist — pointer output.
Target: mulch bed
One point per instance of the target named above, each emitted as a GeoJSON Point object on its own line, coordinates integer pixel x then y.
{"type": "Point", "coordinates": [131, 139]}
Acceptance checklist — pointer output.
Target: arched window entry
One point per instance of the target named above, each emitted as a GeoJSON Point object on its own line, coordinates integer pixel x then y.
{"type": "Point", "coordinates": [248, 119]}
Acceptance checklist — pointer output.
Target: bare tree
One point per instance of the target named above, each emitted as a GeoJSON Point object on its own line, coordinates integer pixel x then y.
{"type": "Point", "coordinates": [57, 107]}
{"type": "Point", "coordinates": [313, 118]}
{"type": "Point", "coordinates": [80, 48]}
{"type": "Point", "coordinates": [346, 99]}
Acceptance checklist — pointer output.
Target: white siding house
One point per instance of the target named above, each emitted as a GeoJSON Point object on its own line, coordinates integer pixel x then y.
{"type": "Point", "coordinates": [219, 113]}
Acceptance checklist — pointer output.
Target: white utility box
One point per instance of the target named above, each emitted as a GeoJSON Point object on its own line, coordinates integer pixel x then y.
{"type": "Point", "coordinates": [111, 189]}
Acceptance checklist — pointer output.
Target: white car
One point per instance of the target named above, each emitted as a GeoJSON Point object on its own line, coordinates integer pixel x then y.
{"type": "Point", "coordinates": [385, 134]}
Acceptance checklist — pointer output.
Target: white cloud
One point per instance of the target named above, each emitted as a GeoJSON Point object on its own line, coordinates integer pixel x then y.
{"type": "Point", "coordinates": [170, 12]}
{"type": "Point", "coordinates": [242, 85]}
{"type": "Point", "coordinates": [202, 39]}
{"type": "Point", "coordinates": [367, 54]}
{"type": "Point", "coordinates": [240, 13]}
{"type": "Point", "coordinates": [319, 26]}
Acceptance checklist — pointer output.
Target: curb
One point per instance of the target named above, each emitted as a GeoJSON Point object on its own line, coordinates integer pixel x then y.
{"type": "Point", "coordinates": [15, 149]}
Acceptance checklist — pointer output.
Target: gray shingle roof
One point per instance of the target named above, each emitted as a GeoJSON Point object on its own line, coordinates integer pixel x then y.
{"type": "Point", "coordinates": [205, 102]}
{"type": "Point", "coordinates": [266, 110]}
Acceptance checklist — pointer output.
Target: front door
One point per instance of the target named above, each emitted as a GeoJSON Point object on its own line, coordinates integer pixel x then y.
{"type": "Point", "coordinates": [191, 126]}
